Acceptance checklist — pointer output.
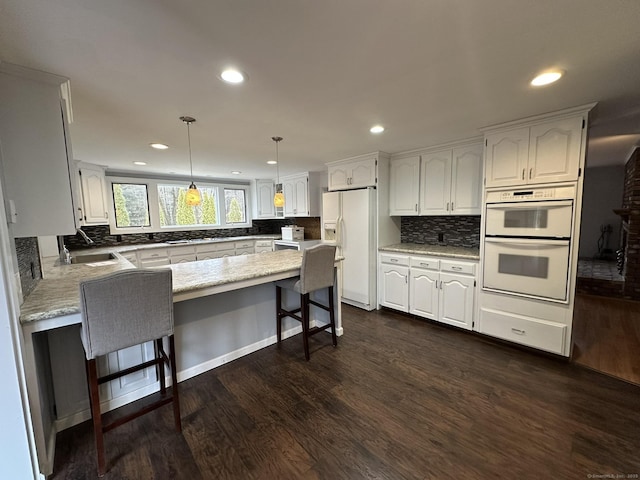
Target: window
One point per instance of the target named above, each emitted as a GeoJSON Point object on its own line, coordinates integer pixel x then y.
{"type": "Point", "coordinates": [174, 210]}
{"type": "Point", "coordinates": [145, 205]}
{"type": "Point", "coordinates": [131, 204]}
{"type": "Point", "coordinates": [235, 206]}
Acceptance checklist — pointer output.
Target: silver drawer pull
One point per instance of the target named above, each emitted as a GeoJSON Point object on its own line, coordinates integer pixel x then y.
{"type": "Point", "coordinates": [517, 331]}
{"type": "Point", "coordinates": [394, 260]}
{"type": "Point", "coordinates": [424, 264]}
{"type": "Point", "coordinates": [456, 268]}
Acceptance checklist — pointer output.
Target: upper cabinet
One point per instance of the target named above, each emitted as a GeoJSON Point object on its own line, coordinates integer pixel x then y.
{"type": "Point", "coordinates": [92, 207]}
{"type": "Point", "coordinates": [264, 207]}
{"type": "Point", "coordinates": [356, 172]}
{"type": "Point", "coordinates": [35, 153]}
{"type": "Point", "coordinates": [542, 149]}
{"type": "Point", "coordinates": [303, 194]}
{"type": "Point", "coordinates": [444, 180]}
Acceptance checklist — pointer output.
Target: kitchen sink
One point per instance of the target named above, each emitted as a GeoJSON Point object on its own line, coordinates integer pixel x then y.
{"type": "Point", "coordinates": [93, 257]}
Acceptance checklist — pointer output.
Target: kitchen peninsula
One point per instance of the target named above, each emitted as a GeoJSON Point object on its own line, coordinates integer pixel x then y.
{"type": "Point", "coordinates": [223, 308]}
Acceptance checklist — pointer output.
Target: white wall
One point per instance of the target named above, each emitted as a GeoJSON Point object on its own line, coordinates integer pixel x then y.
{"type": "Point", "coordinates": [603, 187]}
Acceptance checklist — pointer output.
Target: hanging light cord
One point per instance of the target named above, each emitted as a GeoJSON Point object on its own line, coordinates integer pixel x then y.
{"type": "Point", "coordinates": [189, 139]}
{"type": "Point", "coordinates": [277, 140]}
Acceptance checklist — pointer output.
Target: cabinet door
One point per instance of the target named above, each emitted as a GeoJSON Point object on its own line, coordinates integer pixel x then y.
{"type": "Point", "coordinates": [289, 190]}
{"type": "Point", "coordinates": [423, 293]}
{"type": "Point", "coordinates": [126, 358]}
{"type": "Point", "coordinates": [363, 173]}
{"type": "Point", "coordinates": [301, 193]}
{"type": "Point", "coordinates": [554, 151]}
{"type": "Point", "coordinates": [435, 184]}
{"type": "Point", "coordinates": [184, 258]}
{"type": "Point", "coordinates": [506, 157]}
{"type": "Point", "coordinates": [466, 180]}
{"type": "Point", "coordinates": [265, 190]}
{"type": "Point", "coordinates": [404, 194]}
{"type": "Point", "coordinates": [456, 300]}
{"type": "Point", "coordinates": [394, 289]}
{"type": "Point", "coordinates": [94, 195]}
{"type": "Point", "coordinates": [338, 177]}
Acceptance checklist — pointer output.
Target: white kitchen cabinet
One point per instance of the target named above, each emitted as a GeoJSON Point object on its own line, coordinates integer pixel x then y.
{"type": "Point", "coordinates": [357, 172]}
{"type": "Point", "coordinates": [245, 247]}
{"type": "Point", "coordinates": [36, 149]}
{"type": "Point", "coordinates": [394, 282]}
{"type": "Point", "coordinates": [125, 358]}
{"type": "Point", "coordinates": [265, 191]}
{"type": "Point", "coordinates": [182, 254]}
{"type": "Point", "coordinates": [131, 256]}
{"type": "Point", "coordinates": [153, 257]}
{"type": "Point", "coordinates": [438, 289]}
{"type": "Point", "coordinates": [542, 150]}
{"type": "Point", "coordinates": [404, 190]}
{"type": "Point", "coordinates": [442, 180]}
{"type": "Point", "coordinates": [264, 246]}
{"type": "Point", "coordinates": [451, 181]}
{"type": "Point", "coordinates": [303, 194]}
{"type": "Point", "coordinates": [93, 205]}
{"type": "Point", "coordinates": [208, 251]}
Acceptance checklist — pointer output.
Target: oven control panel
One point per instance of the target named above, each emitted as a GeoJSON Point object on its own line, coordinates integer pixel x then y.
{"type": "Point", "coordinates": [531, 194]}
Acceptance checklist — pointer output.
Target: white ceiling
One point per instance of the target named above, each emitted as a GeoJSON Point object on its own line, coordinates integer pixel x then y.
{"type": "Point", "coordinates": [321, 73]}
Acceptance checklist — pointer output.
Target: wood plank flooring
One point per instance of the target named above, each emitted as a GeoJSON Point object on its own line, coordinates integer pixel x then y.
{"type": "Point", "coordinates": [399, 398]}
{"type": "Point", "coordinates": [606, 336]}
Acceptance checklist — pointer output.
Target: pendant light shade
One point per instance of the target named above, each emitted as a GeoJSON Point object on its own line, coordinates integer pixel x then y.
{"type": "Point", "coordinates": [193, 197]}
{"type": "Point", "coordinates": [278, 198]}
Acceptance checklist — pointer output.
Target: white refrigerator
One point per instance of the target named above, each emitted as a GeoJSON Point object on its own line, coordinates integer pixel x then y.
{"type": "Point", "coordinates": [349, 221]}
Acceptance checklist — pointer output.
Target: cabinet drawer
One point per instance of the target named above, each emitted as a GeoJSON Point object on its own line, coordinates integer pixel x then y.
{"type": "Point", "coordinates": [264, 243]}
{"type": "Point", "coordinates": [245, 251]}
{"type": "Point", "coordinates": [394, 259]}
{"type": "Point", "coordinates": [182, 250]}
{"type": "Point", "coordinates": [152, 253]}
{"type": "Point", "coordinates": [458, 267]}
{"type": "Point", "coordinates": [516, 328]}
{"type": "Point", "coordinates": [245, 244]}
{"type": "Point", "coordinates": [214, 247]}
{"type": "Point", "coordinates": [425, 262]}
{"type": "Point", "coordinates": [185, 258]}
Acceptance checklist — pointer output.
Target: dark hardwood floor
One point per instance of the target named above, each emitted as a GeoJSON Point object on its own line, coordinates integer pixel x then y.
{"type": "Point", "coordinates": [399, 398]}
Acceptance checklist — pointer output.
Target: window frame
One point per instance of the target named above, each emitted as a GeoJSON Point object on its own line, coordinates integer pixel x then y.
{"type": "Point", "coordinates": [154, 209]}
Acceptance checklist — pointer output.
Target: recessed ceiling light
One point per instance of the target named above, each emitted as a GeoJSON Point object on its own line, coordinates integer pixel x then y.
{"type": "Point", "coordinates": [271, 162]}
{"type": "Point", "coordinates": [159, 146]}
{"type": "Point", "coordinates": [232, 75]}
{"type": "Point", "coordinates": [546, 78]}
{"type": "Point", "coordinates": [377, 129]}
{"type": "Point", "coordinates": [139, 163]}
{"type": "Point", "coordinates": [236, 172]}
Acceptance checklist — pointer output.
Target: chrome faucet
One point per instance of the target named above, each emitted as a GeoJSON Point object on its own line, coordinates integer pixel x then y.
{"type": "Point", "coordinates": [85, 236]}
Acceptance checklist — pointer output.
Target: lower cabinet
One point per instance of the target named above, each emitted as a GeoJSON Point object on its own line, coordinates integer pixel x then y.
{"type": "Point", "coordinates": [434, 288]}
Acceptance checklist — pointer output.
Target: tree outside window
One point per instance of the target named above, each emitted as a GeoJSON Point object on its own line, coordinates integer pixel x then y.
{"type": "Point", "coordinates": [131, 205]}
{"type": "Point", "coordinates": [235, 205]}
{"type": "Point", "coordinates": [174, 210]}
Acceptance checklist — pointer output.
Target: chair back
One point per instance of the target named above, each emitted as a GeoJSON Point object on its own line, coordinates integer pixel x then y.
{"type": "Point", "coordinates": [125, 308]}
{"type": "Point", "coordinates": [317, 269]}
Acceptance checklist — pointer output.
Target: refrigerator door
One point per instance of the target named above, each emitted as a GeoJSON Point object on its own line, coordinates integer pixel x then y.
{"type": "Point", "coordinates": [331, 205]}
{"type": "Point", "coordinates": [357, 230]}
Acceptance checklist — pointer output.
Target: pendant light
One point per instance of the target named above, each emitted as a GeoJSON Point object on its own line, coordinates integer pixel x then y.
{"type": "Point", "coordinates": [278, 198]}
{"type": "Point", "coordinates": [193, 197]}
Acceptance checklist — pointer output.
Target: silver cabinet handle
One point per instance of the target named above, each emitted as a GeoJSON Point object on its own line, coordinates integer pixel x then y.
{"type": "Point", "coordinates": [456, 268]}
{"type": "Point", "coordinates": [447, 206]}
{"type": "Point", "coordinates": [106, 215]}
{"type": "Point", "coordinates": [517, 331]}
{"type": "Point", "coordinates": [452, 206]}
{"type": "Point", "coordinates": [393, 260]}
{"type": "Point", "coordinates": [424, 264]}
{"type": "Point", "coordinates": [523, 173]}
{"type": "Point", "coordinates": [416, 207]}
{"type": "Point", "coordinates": [406, 279]}
{"type": "Point", "coordinates": [530, 173]}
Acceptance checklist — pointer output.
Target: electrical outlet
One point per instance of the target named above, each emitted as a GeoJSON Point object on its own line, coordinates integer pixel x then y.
{"type": "Point", "coordinates": [441, 237]}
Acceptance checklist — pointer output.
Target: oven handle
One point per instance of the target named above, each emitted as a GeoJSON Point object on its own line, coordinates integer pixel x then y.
{"type": "Point", "coordinates": [530, 205]}
{"type": "Point", "coordinates": [528, 242]}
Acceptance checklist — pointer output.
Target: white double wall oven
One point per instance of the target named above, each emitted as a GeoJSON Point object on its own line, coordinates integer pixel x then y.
{"type": "Point", "coordinates": [527, 242]}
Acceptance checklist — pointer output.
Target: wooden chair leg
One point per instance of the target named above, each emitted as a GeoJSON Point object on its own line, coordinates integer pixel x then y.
{"type": "Point", "coordinates": [332, 318]}
{"type": "Point", "coordinates": [174, 384]}
{"type": "Point", "coordinates": [94, 400]}
{"type": "Point", "coordinates": [304, 304]}
{"type": "Point", "coordinates": [160, 366]}
{"type": "Point", "coordinates": [278, 314]}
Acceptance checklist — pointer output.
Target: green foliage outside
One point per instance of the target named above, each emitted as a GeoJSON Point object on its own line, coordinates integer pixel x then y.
{"type": "Point", "coordinates": [234, 215]}
{"type": "Point", "coordinates": [185, 214]}
{"type": "Point", "coordinates": [209, 214]}
{"type": "Point", "coordinates": [122, 215]}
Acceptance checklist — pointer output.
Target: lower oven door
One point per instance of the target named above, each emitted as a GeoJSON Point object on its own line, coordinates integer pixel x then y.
{"type": "Point", "coordinates": [528, 267]}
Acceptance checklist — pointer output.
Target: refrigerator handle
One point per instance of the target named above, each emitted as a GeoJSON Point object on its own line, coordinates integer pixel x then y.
{"type": "Point", "coordinates": [339, 231]}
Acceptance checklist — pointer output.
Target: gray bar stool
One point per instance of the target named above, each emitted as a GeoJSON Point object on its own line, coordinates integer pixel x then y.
{"type": "Point", "coordinates": [316, 273]}
{"type": "Point", "coordinates": [120, 310]}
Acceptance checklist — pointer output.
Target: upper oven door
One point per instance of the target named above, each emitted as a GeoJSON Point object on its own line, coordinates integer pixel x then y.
{"type": "Point", "coordinates": [550, 219]}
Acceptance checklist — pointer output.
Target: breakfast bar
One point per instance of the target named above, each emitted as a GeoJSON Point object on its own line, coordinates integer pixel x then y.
{"type": "Point", "coordinates": [223, 309]}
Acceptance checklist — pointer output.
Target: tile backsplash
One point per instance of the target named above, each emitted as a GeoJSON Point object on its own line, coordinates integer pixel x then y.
{"type": "Point", "coordinates": [28, 263]}
{"type": "Point", "coordinates": [457, 231]}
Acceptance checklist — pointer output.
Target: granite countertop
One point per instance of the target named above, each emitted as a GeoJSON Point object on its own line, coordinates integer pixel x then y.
{"type": "Point", "coordinates": [434, 250]}
{"type": "Point", "coordinates": [58, 294]}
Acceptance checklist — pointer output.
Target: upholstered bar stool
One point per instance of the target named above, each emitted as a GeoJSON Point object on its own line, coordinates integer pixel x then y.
{"type": "Point", "coordinates": [120, 310]}
{"type": "Point", "coordinates": [316, 273]}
